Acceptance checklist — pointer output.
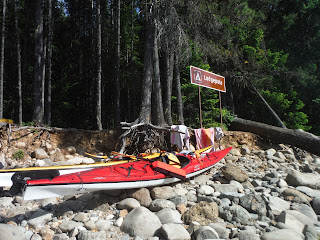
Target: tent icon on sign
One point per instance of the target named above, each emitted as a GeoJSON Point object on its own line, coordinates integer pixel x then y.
{"type": "Point", "coordinates": [197, 76]}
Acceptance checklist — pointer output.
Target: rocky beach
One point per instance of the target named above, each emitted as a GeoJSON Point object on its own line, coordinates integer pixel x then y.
{"type": "Point", "coordinates": [254, 193]}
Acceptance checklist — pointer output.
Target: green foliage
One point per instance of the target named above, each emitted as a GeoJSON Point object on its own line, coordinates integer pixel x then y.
{"type": "Point", "coordinates": [249, 52]}
{"type": "Point", "coordinates": [28, 124]}
{"type": "Point", "coordinates": [212, 118]}
{"type": "Point", "coordinates": [277, 59]}
{"type": "Point", "coordinates": [289, 108]}
{"type": "Point", "coordinates": [209, 107]}
{"type": "Point", "coordinates": [256, 37]}
{"type": "Point", "coordinates": [18, 155]}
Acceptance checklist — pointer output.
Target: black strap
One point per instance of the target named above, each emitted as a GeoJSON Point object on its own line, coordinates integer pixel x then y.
{"type": "Point", "coordinates": [131, 168]}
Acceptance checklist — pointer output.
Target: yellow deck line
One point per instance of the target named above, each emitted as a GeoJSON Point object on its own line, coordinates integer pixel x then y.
{"type": "Point", "coordinates": [63, 166]}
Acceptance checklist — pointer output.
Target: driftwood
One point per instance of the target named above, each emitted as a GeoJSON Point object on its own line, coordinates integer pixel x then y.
{"type": "Point", "coordinates": [149, 135]}
{"type": "Point", "coordinates": [297, 138]}
{"type": "Point", "coordinates": [50, 129]}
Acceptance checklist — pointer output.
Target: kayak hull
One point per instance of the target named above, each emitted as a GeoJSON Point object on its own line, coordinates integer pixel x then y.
{"type": "Point", "coordinates": [48, 191]}
{"type": "Point", "coordinates": [123, 176]}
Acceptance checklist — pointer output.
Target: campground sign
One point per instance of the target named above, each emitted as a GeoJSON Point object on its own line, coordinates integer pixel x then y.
{"type": "Point", "coordinates": [207, 79]}
{"type": "Point", "coordinates": [210, 80]}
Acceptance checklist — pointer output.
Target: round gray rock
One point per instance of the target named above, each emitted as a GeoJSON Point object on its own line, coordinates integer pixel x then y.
{"type": "Point", "coordinates": [143, 196]}
{"type": "Point", "coordinates": [85, 235]}
{"type": "Point", "coordinates": [316, 205]}
{"type": "Point", "coordinates": [67, 226]}
{"type": "Point", "coordinates": [282, 234]}
{"type": "Point", "coordinates": [103, 225]}
{"type": "Point", "coordinates": [205, 190]}
{"type": "Point", "coordinates": [295, 193]}
{"type": "Point", "coordinates": [167, 215]}
{"type": "Point", "coordinates": [247, 235]}
{"type": "Point", "coordinates": [222, 231]}
{"type": "Point", "coordinates": [191, 196]}
{"type": "Point", "coordinates": [165, 192]}
{"type": "Point", "coordinates": [71, 150]}
{"type": "Point", "coordinates": [306, 210]}
{"type": "Point", "coordinates": [181, 199]}
{"type": "Point", "coordinates": [90, 225]}
{"type": "Point", "coordinates": [128, 203]}
{"type": "Point", "coordinates": [39, 218]}
{"type": "Point", "coordinates": [8, 232]}
{"type": "Point", "coordinates": [136, 221]}
{"type": "Point", "coordinates": [174, 231]}
{"type": "Point", "coordinates": [235, 213]}
{"type": "Point", "coordinates": [254, 204]}
{"type": "Point", "coordinates": [235, 152]}
{"type": "Point", "coordinates": [206, 232]}
{"type": "Point", "coordinates": [81, 217]}
{"type": "Point", "coordinates": [245, 150]}
{"type": "Point", "coordinates": [40, 153]}
{"type": "Point", "coordinates": [309, 191]}
{"type": "Point", "coordinates": [277, 205]}
{"type": "Point", "coordinates": [296, 178]}
{"type": "Point", "coordinates": [231, 172]}
{"type": "Point", "coordinates": [159, 204]}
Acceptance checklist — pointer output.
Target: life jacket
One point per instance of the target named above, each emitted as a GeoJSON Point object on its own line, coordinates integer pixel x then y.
{"type": "Point", "coordinates": [166, 157]}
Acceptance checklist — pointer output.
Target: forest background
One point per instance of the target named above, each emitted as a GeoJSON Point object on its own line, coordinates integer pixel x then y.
{"type": "Point", "coordinates": [90, 64]}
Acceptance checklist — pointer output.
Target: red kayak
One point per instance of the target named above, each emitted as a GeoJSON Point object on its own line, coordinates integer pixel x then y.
{"type": "Point", "coordinates": [137, 174]}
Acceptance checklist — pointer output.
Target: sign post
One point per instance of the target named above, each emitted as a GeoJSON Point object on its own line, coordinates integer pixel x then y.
{"type": "Point", "coordinates": [200, 113]}
{"type": "Point", "coordinates": [210, 80]}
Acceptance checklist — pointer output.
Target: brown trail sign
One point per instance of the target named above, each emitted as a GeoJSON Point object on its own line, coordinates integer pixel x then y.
{"type": "Point", "coordinates": [207, 79]}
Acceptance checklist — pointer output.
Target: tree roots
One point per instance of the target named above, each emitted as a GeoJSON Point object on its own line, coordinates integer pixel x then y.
{"type": "Point", "coordinates": [142, 137]}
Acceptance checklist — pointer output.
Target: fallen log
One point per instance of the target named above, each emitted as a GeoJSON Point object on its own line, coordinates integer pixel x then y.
{"type": "Point", "coordinates": [294, 137]}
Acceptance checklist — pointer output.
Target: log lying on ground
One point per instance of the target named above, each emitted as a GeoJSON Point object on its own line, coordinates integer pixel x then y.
{"type": "Point", "coordinates": [297, 138]}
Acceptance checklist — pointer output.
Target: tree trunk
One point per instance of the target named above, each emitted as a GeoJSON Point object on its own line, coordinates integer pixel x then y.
{"type": "Point", "coordinates": [158, 116]}
{"type": "Point", "coordinates": [132, 97]}
{"type": "Point", "coordinates": [168, 81]}
{"type": "Point", "coordinates": [49, 63]}
{"type": "Point", "coordinates": [44, 74]}
{"type": "Point", "coordinates": [117, 66]}
{"type": "Point", "coordinates": [18, 61]}
{"type": "Point", "coordinates": [178, 89]}
{"type": "Point", "coordinates": [274, 114]}
{"type": "Point", "coordinates": [294, 137]}
{"type": "Point", "coordinates": [2, 56]}
{"type": "Point", "coordinates": [99, 70]}
{"type": "Point", "coordinates": [24, 46]}
{"type": "Point", "coordinates": [38, 66]}
{"type": "Point", "coordinates": [145, 110]}
{"type": "Point", "coordinates": [230, 97]}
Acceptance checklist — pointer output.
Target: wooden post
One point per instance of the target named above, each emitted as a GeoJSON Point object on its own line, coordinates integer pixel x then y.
{"type": "Point", "coordinates": [200, 108]}
{"type": "Point", "coordinates": [220, 110]}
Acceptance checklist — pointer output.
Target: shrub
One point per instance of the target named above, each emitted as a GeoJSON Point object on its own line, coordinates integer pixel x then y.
{"type": "Point", "coordinates": [19, 155]}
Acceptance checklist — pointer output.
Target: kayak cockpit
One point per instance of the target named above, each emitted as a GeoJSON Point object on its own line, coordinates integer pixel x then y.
{"type": "Point", "coordinates": [184, 161]}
